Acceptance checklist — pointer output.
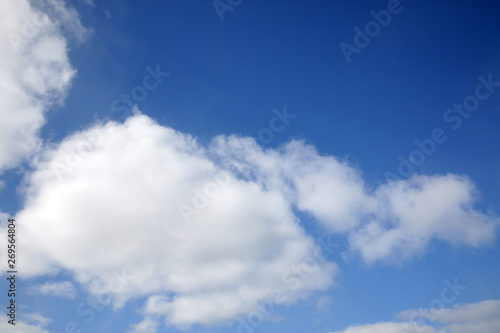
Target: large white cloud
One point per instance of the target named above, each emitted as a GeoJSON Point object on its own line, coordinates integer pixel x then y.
{"type": "Point", "coordinates": [212, 229]}
{"type": "Point", "coordinates": [35, 71]}
{"type": "Point", "coordinates": [481, 317]}
{"type": "Point", "coordinates": [117, 209]}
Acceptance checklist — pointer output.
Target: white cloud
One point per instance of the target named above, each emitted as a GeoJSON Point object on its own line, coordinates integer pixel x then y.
{"type": "Point", "coordinates": [326, 187]}
{"type": "Point", "coordinates": [481, 317]}
{"type": "Point", "coordinates": [36, 319]}
{"type": "Point", "coordinates": [323, 304]}
{"type": "Point", "coordinates": [63, 289]}
{"type": "Point", "coordinates": [393, 222]}
{"type": "Point", "coordinates": [389, 328]}
{"type": "Point", "coordinates": [35, 71]}
{"type": "Point", "coordinates": [124, 216]}
{"type": "Point", "coordinates": [3, 218]}
{"type": "Point", "coordinates": [148, 325]}
{"type": "Point", "coordinates": [474, 317]}
{"type": "Point", "coordinates": [20, 327]}
{"type": "Point", "coordinates": [412, 212]}
{"type": "Point", "coordinates": [113, 194]}
{"type": "Point", "coordinates": [66, 18]}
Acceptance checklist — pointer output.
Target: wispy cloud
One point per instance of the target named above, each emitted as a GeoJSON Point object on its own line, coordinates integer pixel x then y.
{"type": "Point", "coordinates": [63, 289]}
{"type": "Point", "coordinates": [36, 319]}
{"type": "Point", "coordinates": [474, 317]}
{"type": "Point", "coordinates": [148, 325]}
{"type": "Point", "coordinates": [21, 327]}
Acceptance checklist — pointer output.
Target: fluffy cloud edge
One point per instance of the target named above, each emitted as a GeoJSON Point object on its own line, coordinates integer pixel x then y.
{"type": "Point", "coordinates": [482, 316]}
{"type": "Point", "coordinates": [36, 73]}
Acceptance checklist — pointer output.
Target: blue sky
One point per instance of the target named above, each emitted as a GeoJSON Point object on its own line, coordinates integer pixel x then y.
{"type": "Point", "coordinates": [255, 155]}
